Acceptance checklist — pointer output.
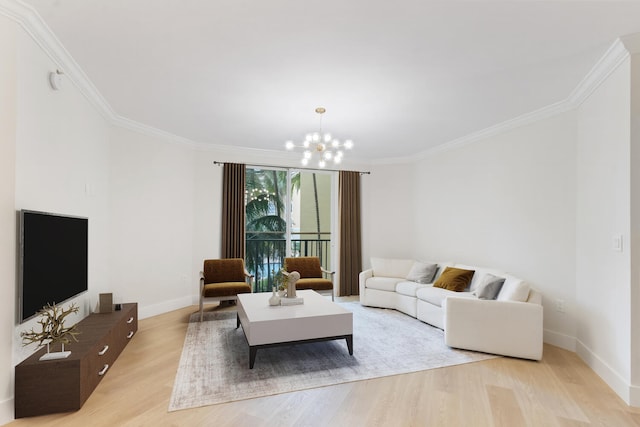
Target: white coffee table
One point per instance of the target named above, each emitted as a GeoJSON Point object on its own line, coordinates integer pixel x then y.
{"type": "Point", "coordinates": [318, 319]}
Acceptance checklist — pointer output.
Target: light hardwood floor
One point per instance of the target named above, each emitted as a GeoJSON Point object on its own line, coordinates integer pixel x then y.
{"type": "Point", "coordinates": [558, 391]}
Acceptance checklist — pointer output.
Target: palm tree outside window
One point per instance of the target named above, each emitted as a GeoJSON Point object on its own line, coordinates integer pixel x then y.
{"type": "Point", "coordinates": [288, 213]}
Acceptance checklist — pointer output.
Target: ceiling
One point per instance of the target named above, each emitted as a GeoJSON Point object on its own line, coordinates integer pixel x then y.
{"type": "Point", "coordinates": [396, 77]}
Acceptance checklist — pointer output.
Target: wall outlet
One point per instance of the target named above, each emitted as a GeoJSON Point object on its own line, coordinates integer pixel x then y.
{"type": "Point", "coordinates": [560, 306]}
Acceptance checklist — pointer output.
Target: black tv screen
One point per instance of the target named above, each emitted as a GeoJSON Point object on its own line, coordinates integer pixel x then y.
{"type": "Point", "coordinates": [53, 260]}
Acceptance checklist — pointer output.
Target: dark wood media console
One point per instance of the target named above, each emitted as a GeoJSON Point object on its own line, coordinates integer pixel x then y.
{"type": "Point", "coordinates": [63, 385]}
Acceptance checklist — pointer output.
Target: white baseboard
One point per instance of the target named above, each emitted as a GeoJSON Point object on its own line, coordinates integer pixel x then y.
{"type": "Point", "coordinates": [145, 311]}
{"type": "Point", "coordinates": [629, 393]}
{"type": "Point", "coordinates": [7, 413]}
{"type": "Point", "coordinates": [559, 340]}
{"type": "Point", "coordinates": [608, 374]}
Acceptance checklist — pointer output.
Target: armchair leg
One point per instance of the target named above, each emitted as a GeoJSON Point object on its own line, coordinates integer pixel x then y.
{"type": "Point", "coordinates": [201, 309]}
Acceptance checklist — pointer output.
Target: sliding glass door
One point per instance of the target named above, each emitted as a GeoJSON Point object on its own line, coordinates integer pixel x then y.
{"type": "Point", "coordinates": [288, 213]}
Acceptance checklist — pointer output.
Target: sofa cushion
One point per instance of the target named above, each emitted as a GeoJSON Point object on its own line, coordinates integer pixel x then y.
{"type": "Point", "coordinates": [383, 283]}
{"type": "Point", "coordinates": [436, 296]}
{"type": "Point", "coordinates": [315, 283]}
{"type": "Point", "coordinates": [514, 289]}
{"type": "Point", "coordinates": [422, 272]}
{"type": "Point", "coordinates": [409, 288]}
{"type": "Point", "coordinates": [489, 287]}
{"type": "Point", "coordinates": [454, 279]}
{"type": "Point", "coordinates": [225, 289]}
{"type": "Point", "coordinates": [308, 266]}
{"type": "Point", "coordinates": [391, 267]}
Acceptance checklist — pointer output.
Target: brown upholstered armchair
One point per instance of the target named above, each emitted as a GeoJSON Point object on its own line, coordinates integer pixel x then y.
{"type": "Point", "coordinates": [312, 275]}
{"type": "Point", "coordinates": [223, 280]}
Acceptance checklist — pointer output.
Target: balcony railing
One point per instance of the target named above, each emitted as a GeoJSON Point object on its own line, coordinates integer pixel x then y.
{"type": "Point", "coordinates": [265, 255]}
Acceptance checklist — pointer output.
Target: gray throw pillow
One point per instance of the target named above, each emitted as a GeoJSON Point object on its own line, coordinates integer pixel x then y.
{"type": "Point", "coordinates": [422, 273]}
{"type": "Point", "coordinates": [489, 287]}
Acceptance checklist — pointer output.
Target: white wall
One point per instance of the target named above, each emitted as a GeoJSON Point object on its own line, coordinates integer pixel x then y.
{"type": "Point", "coordinates": [208, 211]}
{"type": "Point", "coordinates": [603, 210]}
{"type": "Point", "coordinates": [635, 229]}
{"type": "Point", "coordinates": [506, 202]}
{"type": "Point", "coordinates": [8, 75]}
{"type": "Point", "coordinates": [388, 211]}
{"type": "Point", "coordinates": [62, 157]}
{"type": "Point", "coordinates": [58, 159]}
{"type": "Point", "coordinates": [151, 222]}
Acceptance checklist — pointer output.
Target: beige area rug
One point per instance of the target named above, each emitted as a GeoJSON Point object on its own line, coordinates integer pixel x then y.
{"type": "Point", "coordinates": [214, 366]}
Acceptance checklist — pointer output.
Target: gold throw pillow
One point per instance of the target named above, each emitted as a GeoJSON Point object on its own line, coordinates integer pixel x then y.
{"type": "Point", "coordinates": [454, 279]}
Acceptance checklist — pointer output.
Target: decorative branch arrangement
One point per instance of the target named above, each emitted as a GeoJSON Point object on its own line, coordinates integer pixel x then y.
{"type": "Point", "coordinates": [282, 279]}
{"type": "Point", "coordinates": [53, 330]}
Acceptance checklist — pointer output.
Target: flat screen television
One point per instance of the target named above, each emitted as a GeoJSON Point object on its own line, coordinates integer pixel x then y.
{"type": "Point", "coordinates": [53, 260]}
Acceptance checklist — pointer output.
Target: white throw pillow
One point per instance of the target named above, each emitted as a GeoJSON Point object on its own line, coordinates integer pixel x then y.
{"type": "Point", "coordinates": [514, 290]}
{"type": "Point", "coordinates": [489, 287]}
{"type": "Point", "coordinates": [422, 273]}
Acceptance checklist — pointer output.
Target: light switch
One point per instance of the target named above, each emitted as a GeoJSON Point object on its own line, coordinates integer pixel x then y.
{"type": "Point", "coordinates": [89, 190]}
{"type": "Point", "coordinates": [617, 243]}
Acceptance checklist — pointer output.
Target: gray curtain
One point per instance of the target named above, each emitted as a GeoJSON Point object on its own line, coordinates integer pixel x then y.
{"type": "Point", "coordinates": [350, 232]}
{"type": "Point", "coordinates": [233, 236]}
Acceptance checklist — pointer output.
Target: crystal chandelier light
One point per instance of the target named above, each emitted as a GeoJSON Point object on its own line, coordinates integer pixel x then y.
{"type": "Point", "coordinates": [321, 146]}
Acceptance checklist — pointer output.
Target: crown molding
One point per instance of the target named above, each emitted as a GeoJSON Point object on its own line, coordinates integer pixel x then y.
{"type": "Point", "coordinates": [522, 120]}
{"type": "Point", "coordinates": [607, 64]}
{"type": "Point", "coordinates": [615, 55]}
{"type": "Point", "coordinates": [14, 10]}
{"type": "Point", "coordinates": [132, 125]}
{"type": "Point", "coordinates": [224, 151]}
{"type": "Point", "coordinates": [29, 19]}
{"type": "Point", "coordinates": [34, 25]}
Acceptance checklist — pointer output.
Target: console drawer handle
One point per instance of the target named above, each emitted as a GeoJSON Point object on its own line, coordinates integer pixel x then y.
{"type": "Point", "coordinates": [130, 319]}
{"type": "Point", "coordinates": [103, 351]}
{"type": "Point", "coordinates": [130, 334]}
{"type": "Point", "coordinates": [104, 370]}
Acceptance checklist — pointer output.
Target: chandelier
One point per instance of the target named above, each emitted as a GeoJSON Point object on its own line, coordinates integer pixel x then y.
{"type": "Point", "coordinates": [321, 145]}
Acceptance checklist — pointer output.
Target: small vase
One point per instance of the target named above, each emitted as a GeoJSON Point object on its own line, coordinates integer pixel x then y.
{"type": "Point", "coordinates": [275, 299]}
{"type": "Point", "coordinates": [282, 293]}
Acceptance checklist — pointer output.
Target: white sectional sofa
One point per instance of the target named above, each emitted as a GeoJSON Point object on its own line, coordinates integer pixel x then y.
{"type": "Point", "coordinates": [510, 324]}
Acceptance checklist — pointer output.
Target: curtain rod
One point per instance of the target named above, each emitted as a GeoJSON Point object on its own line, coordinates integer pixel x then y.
{"type": "Point", "coordinates": [290, 167]}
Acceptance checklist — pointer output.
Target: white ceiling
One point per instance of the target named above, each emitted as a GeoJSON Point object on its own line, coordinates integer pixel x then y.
{"type": "Point", "coordinates": [396, 77]}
